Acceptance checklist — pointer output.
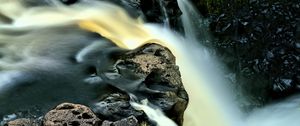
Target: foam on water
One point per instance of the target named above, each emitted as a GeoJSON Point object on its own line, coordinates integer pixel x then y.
{"type": "Point", "coordinates": [154, 114]}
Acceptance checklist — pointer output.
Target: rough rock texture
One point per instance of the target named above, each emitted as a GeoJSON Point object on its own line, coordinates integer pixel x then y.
{"type": "Point", "coordinates": [68, 114]}
{"type": "Point", "coordinates": [115, 107]}
{"type": "Point", "coordinates": [259, 40]}
{"type": "Point", "coordinates": [161, 85]}
{"type": "Point", "coordinates": [23, 122]}
{"type": "Point", "coordinates": [162, 74]}
{"type": "Point", "coordinates": [130, 121]}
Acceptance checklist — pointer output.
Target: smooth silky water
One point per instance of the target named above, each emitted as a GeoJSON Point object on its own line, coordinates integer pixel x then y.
{"type": "Point", "coordinates": [211, 98]}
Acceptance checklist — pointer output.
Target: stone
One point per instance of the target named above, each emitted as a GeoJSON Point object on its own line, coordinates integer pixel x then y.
{"type": "Point", "coordinates": [157, 63]}
{"type": "Point", "coordinates": [68, 114]}
{"type": "Point", "coordinates": [148, 72]}
{"type": "Point", "coordinates": [130, 121]}
{"type": "Point", "coordinates": [23, 122]}
{"type": "Point", "coordinates": [161, 85]}
{"type": "Point", "coordinates": [115, 107]}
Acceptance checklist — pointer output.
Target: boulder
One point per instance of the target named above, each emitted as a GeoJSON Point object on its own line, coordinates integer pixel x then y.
{"type": "Point", "coordinates": [23, 122]}
{"type": "Point", "coordinates": [68, 114]}
{"type": "Point", "coordinates": [161, 85]}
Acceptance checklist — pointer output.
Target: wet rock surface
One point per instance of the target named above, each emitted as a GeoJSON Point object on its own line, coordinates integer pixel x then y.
{"type": "Point", "coordinates": [259, 42]}
{"type": "Point", "coordinates": [130, 121]}
{"type": "Point", "coordinates": [161, 85]}
{"type": "Point", "coordinates": [162, 11]}
{"type": "Point", "coordinates": [116, 106]}
{"type": "Point", "coordinates": [159, 81]}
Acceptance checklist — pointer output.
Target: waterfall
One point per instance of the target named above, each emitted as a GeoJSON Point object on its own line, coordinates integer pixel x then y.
{"type": "Point", "coordinates": [211, 100]}
{"type": "Point", "coordinates": [154, 114]}
{"type": "Point", "coordinates": [197, 66]}
{"type": "Point", "coordinates": [197, 33]}
{"type": "Point", "coordinates": [166, 20]}
{"type": "Point", "coordinates": [195, 26]}
{"type": "Point", "coordinates": [278, 114]}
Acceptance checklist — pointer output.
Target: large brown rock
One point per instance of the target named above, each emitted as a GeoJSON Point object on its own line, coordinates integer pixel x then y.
{"type": "Point", "coordinates": [68, 114]}
{"type": "Point", "coordinates": [157, 63]}
{"type": "Point", "coordinates": [148, 72]}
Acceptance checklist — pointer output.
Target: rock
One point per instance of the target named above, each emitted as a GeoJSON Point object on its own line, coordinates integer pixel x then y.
{"type": "Point", "coordinates": [159, 10]}
{"type": "Point", "coordinates": [116, 106]}
{"type": "Point", "coordinates": [68, 114]}
{"type": "Point", "coordinates": [157, 63]}
{"type": "Point", "coordinates": [257, 40]}
{"type": "Point", "coordinates": [130, 121]}
{"type": "Point", "coordinates": [161, 84]}
{"type": "Point", "coordinates": [23, 122]}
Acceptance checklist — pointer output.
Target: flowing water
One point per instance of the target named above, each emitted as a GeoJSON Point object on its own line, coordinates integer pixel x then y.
{"type": "Point", "coordinates": [278, 114]}
{"type": "Point", "coordinates": [211, 98]}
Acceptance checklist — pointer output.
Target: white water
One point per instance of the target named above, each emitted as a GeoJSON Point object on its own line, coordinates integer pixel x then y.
{"type": "Point", "coordinates": [195, 26]}
{"type": "Point", "coordinates": [285, 113]}
{"type": "Point", "coordinates": [211, 102]}
{"type": "Point", "coordinates": [280, 114]}
{"type": "Point", "coordinates": [210, 69]}
{"type": "Point", "coordinates": [154, 114]}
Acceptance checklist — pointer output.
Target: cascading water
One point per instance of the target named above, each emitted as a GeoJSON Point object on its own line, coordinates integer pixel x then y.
{"type": "Point", "coordinates": [211, 101]}
{"type": "Point", "coordinates": [195, 26]}
{"type": "Point", "coordinates": [272, 115]}
{"type": "Point", "coordinates": [211, 74]}
{"type": "Point", "coordinates": [165, 14]}
{"type": "Point", "coordinates": [195, 62]}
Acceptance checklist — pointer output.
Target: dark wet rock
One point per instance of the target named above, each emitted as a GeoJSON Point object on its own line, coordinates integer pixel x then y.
{"type": "Point", "coordinates": [160, 11]}
{"type": "Point", "coordinates": [161, 73]}
{"type": "Point", "coordinates": [148, 72]}
{"type": "Point", "coordinates": [23, 122]}
{"type": "Point", "coordinates": [156, 77]}
{"type": "Point", "coordinates": [257, 40]}
{"type": "Point", "coordinates": [161, 85]}
{"type": "Point", "coordinates": [116, 106]}
{"type": "Point", "coordinates": [68, 114]}
{"type": "Point", "coordinates": [130, 121]}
